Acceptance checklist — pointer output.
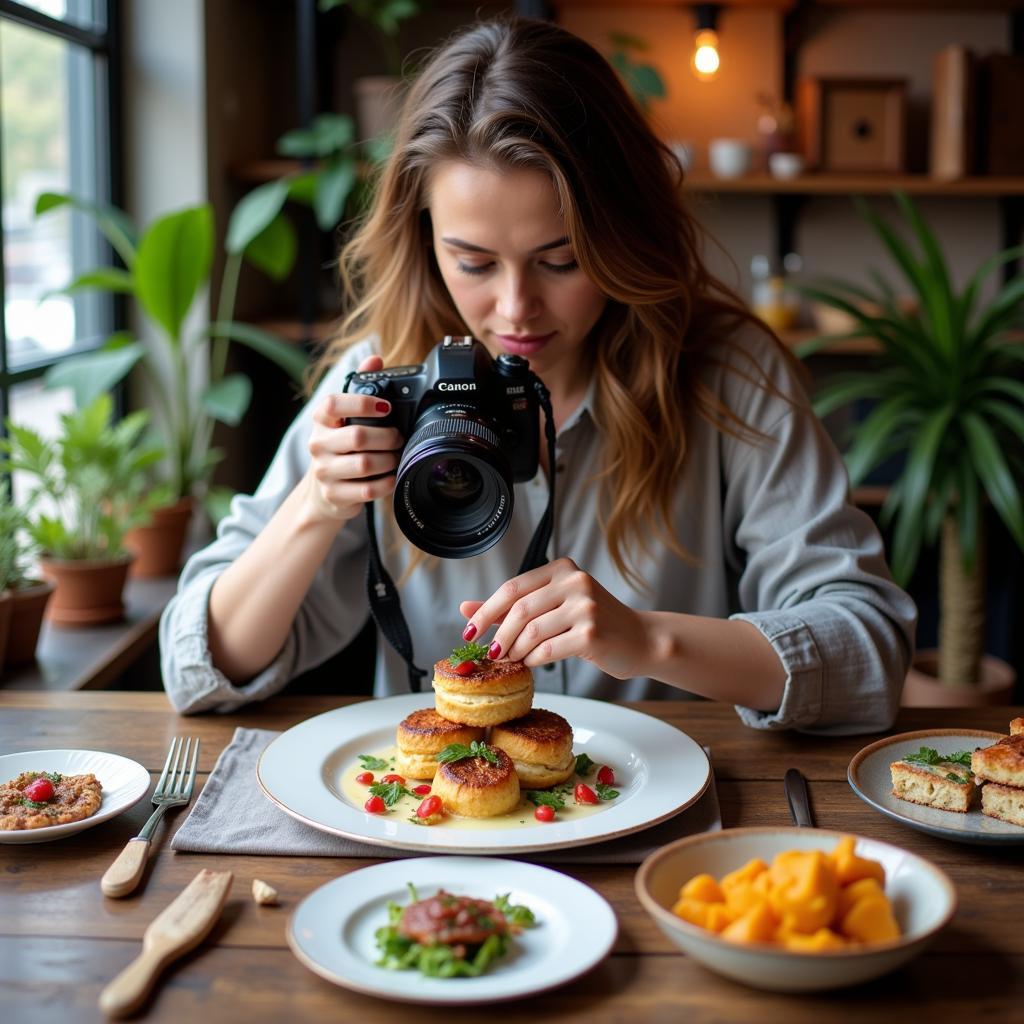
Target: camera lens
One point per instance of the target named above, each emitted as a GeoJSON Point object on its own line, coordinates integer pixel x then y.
{"type": "Point", "coordinates": [455, 483]}
{"type": "Point", "coordinates": [454, 491]}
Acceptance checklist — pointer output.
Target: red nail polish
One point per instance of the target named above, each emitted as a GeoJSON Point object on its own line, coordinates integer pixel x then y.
{"type": "Point", "coordinates": [469, 632]}
{"type": "Point", "coordinates": [494, 651]}
{"type": "Point", "coordinates": [383, 407]}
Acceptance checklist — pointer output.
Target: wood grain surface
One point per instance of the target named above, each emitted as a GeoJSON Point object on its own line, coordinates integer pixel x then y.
{"type": "Point", "coordinates": [61, 941]}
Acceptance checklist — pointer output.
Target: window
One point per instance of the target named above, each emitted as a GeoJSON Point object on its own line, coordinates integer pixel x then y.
{"type": "Point", "coordinates": [58, 133]}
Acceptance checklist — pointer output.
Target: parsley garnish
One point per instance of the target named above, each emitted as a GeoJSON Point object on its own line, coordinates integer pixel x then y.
{"type": "Point", "coordinates": [54, 777]}
{"type": "Point", "coordinates": [468, 652]}
{"type": "Point", "coordinates": [605, 792]}
{"type": "Point", "coordinates": [373, 764]}
{"type": "Point", "coordinates": [34, 804]}
{"type": "Point", "coordinates": [517, 915]}
{"type": "Point", "coordinates": [930, 756]}
{"type": "Point", "coordinates": [459, 752]}
{"type": "Point", "coordinates": [584, 765]}
{"type": "Point", "coordinates": [956, 778]}
{"type": "Point", "coordinates": [549, 797]}
{"type": "Point", "coordinates": [390, 792]}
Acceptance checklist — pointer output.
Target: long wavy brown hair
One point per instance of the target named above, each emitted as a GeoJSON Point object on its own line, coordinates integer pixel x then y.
{"type": "Point", "coordinates": [515, 93]}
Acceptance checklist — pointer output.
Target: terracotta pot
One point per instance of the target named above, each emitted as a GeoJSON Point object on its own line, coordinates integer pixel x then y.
{"type": "Point", "coordinates": [157, 546]}
{"type": "Point", "coordinates": [88, 592]}
{"type": "Point", "coordinates": [922, 688]}
{"type": "Point", "coordinates": [26, 619]}
{"type": "Point", "coordinates": [6, 607]}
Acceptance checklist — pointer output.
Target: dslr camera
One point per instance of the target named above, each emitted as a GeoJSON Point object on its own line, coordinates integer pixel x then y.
{"type": "Point", "coordinates": [472, 429]}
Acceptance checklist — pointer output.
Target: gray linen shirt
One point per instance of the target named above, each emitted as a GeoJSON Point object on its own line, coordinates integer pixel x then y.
{"type": "Point", "coordinates": [776, 540]}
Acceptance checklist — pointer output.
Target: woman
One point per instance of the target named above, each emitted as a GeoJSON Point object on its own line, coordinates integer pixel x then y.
{"type": "Point", "coordinates": [703, 542]}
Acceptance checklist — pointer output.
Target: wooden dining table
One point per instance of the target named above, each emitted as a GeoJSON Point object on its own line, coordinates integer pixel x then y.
{"type": "Point", "coordinates": [61, 940]}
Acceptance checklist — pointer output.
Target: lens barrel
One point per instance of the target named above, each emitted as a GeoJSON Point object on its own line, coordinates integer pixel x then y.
{"type": "Point", "coordinates": [454, 489]}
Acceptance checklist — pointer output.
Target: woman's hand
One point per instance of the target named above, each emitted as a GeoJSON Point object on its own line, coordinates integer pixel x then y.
{"type": "Point", "coordinates": [351, 463]}
{"type": "Point", "coordinates": [558, 611]}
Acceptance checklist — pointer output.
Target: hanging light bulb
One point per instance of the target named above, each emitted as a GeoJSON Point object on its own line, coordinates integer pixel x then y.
{"type": "Point", "coordinates": [705, 60]}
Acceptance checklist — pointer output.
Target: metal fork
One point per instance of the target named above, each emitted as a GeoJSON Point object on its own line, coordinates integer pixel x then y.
{"type": "Point", "coordinates": [173, 788]}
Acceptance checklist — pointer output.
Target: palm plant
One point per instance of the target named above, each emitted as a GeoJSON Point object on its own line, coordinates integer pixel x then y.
{"type": "Point", "coordinates": [949, 398]}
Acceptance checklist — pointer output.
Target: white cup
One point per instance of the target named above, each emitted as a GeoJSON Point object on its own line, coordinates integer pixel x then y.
{"type": "Point", "coordinates": [785, 165]}
{"type": "Point", "coordinates": [684, 151]}
{"type": "Point", "coordinates": [729, 158]}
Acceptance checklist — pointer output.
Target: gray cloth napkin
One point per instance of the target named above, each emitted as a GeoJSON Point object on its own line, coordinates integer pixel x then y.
{"type": "Point", "coordinates": [233, 816]}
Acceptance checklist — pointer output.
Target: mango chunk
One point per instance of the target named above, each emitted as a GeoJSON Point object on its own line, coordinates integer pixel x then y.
{"type": "Point", "coordinates": [851, 868]}
{"type": "Point", "coordinates": [745, 874]}
{"type": "Point", "coordinates": [870, 920]}
{"type": "Point", "coordinates": [694, 911]}
{"type": "Point", "coordinates": [823, 938]}
{"type": "Point", "coordinates": [864, 888]}
{"type": "Point", "coordinates": [703, 888]}
{"type": "Point", "coordinates": [757, 925]}
{"type": "Point", "coordinates": [805, 890]}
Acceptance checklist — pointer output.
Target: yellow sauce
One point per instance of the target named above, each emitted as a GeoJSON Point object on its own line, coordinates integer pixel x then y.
{"type": "Point", "coordinates": [519, 817]}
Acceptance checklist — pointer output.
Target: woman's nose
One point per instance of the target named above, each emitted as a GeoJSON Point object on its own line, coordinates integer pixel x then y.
{"type": "Point", "coordinates": [516, 303]}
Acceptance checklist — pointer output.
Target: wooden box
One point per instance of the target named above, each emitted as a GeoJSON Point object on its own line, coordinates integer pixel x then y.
{"type": "Point", "coordinates": [853, 125]}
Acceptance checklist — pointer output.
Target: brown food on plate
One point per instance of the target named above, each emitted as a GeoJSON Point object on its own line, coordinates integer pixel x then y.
{"type": "Point", "coordinates": [1003, 762]}
{"type": "Point", "coordinates": [492, 693]}
{"type": "Point", "coordinates": [918, 784]}
{"type": "Point", "coordinates": [1017, 727]}
{"type": "Point", "coordinates": [474, 787]}
{"type": "Point", "coordinates": [422, 735]}
{"type": "Point", "coordinates": [452, 920]}
{"type": "Point", "coordinates": [1003, 802]}
{"type": "Point", "coordinates": [540, 745]}
{"type": "Point", "coordinates": [74, 797]}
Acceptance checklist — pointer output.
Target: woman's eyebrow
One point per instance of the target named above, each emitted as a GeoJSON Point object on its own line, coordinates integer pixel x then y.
{"type": "Point", "coordinates": [458, 243]}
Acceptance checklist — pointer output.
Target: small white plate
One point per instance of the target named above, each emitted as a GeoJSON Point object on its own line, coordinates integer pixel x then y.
{"type": "Point", "coordinates": [659, 772]}
{"type": "Point", "coordinates": [124, 782]}
{"type": "Point", "coordinates": [869, 776]}
{"type": "Point", "coordinates": [332, 929]}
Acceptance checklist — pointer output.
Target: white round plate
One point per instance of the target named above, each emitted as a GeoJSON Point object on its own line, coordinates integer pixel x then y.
{"type": "Point", "coordinates": [124, 782]}
{"type": "Point", "coordinates": [869, 776]}
{"type": "Point", "coordinates": [332, 929]}
{"type": "Point", "coordinates": [659, 772]}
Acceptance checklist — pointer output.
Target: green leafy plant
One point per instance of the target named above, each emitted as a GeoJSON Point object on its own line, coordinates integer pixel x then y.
{"type": "Point", "coordinates": [91, 483]}
{"type": "Point", "coordinates": [459, 752]}
{"type": "Point", "coordinates": [385, 17]}
{"type": "Point", "coordinates": [15, 548]}
{"type": "Point", "coordinates": [643, 81]}
{"type": "Point", "coordinates": [948, 396]}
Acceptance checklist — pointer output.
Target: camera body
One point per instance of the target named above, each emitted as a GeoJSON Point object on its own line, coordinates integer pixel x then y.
{"type": "Point", "coordinates": [472, 429]}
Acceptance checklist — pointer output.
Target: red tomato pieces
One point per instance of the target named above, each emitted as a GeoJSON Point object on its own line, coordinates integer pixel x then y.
{"type": "Point", "coordinates": [584, 794]}
{"type": "Point", "coordinates": [545, 812]}
{"type": "Point", "coordinates": [400, 779]}
{"type": "Point", "coordinates": [431, 806]}
{"type": "Point", "coordinates": [605, 775]}
{"type": "Point", "coordinates": [465, 668]}
{"type": "Point", "coordinates": [375, 805]}
{"type": "Point", "coordinates": [365, 778]}
{"type": "Point", "coordinates": [422, 790]}
{"type": "Point", "coordinates": [40, 790]}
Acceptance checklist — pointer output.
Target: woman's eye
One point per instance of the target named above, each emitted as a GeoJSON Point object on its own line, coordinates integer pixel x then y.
{"type": "Point", "coordinates": [561, 268]}
{"type": "Point", "coordinates": [473, 268]}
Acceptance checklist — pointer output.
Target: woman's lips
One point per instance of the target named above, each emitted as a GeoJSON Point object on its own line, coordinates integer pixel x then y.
{"type": "Point", "coordinates": [523, 344]}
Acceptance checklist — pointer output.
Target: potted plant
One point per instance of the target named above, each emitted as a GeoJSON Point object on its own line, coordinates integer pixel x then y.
{"type": "Point", "coordinates": [25, 596]}
{"type": "Point", "coordinates": [949, 399]}
{"type": "Point", "coordinates": [379, 97]}
{"type": "Point", "coordinates": [165, 271]}
{"type": "Point", "coordinates": [643, 80]}
{"type": "Point", "coordinates": [90, 486]}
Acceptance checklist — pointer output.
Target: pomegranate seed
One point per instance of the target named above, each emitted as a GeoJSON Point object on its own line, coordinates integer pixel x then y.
{"type": "Point", "coordinates": [465, 668]}
{"type": "Point", "coordinates": [544, 813]}
{"type": "Point", "coordinates": [375, 805]}
{"type": "Point", "coordinates": [422, 790]}
{"type": "Point", "coordinates": [431, 806]}
{"type": "Point", "coordinates": [605, 776]}
{"type": "Point", "coordinates": [365, 778]}
{"type": "Point", "coordinates": [400, 779]}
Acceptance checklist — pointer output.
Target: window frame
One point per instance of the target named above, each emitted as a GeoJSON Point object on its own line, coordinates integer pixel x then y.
{"type": "Point", "coordinates": [104, 47]}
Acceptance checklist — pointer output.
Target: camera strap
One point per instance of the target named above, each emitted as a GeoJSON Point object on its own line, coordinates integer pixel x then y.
{"type": "Point", "coordinates": [385, 604]}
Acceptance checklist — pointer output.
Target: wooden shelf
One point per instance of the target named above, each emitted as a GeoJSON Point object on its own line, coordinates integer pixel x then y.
{"type": "Point", "coordinates": [256, 172]}
{"type": "Point", "coordinates": [870, 495]}
{"type": "Point", "coordinates": [852, 346]}
{"type": "Point", "coordinates": [297, 332]}
{"type": "Point", "coordinates": [855, 184]}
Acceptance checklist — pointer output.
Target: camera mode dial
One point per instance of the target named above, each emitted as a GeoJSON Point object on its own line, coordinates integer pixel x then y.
{"type": "Point", "coordinates": [511, 366]}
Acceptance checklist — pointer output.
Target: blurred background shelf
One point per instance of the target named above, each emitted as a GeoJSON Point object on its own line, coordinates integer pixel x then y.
{"type": "Point", "coordinates": [857, 184]}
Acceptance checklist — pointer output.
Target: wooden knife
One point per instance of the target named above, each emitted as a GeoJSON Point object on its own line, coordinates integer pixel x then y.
{"type": "Point", "coordinates": [179, 928]}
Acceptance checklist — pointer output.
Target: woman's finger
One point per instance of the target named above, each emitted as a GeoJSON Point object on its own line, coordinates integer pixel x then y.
{"type": "Point", "coordinates": [529, 621]}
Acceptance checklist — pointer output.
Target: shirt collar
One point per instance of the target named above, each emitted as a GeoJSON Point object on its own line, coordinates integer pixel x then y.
{"type": "Point", "coordinates": [585, 408]}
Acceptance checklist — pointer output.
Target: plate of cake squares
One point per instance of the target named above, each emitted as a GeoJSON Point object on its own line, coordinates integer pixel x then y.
{"type": "Point", "coordinates": [960, 784]}
{"type": "Point", "coordinates": [480, 766]}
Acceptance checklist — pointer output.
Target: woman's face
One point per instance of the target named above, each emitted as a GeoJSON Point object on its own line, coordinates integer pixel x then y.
{"type": "Point", "coordinates": [503, 253]}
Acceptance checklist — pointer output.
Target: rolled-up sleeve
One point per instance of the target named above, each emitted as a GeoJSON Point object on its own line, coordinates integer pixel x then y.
{"type": "Point", "coordinates": [811, 573]}
{"type": "Point", "coordinates": [331, 614]}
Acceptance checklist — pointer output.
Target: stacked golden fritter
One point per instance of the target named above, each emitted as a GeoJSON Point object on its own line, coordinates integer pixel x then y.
{"type": "Point", "coordinates": [1001, 768]}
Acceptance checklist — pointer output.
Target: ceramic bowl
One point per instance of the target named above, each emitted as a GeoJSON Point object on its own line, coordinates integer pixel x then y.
{"type": "Point", "coordinates": [785, 166]}
{"type": "Point", "coordinates": [729, 158]}
{"type": "Point", "coordinates": [922, 896]}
